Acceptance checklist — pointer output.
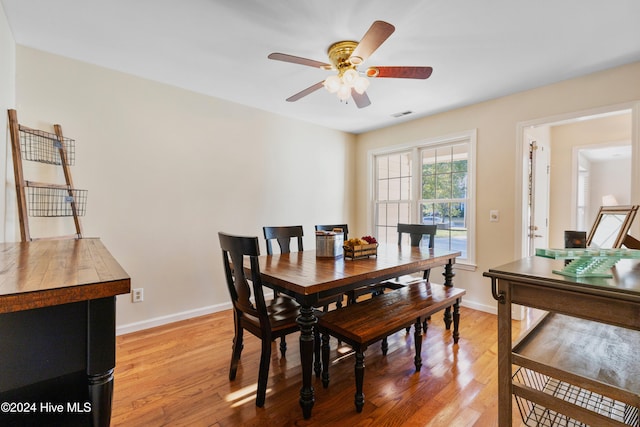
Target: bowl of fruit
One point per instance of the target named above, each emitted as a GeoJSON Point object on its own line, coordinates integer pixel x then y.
{"type": "Point", "coordinates": [362, 247]}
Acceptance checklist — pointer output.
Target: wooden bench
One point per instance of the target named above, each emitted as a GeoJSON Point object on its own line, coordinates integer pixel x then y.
{"type": "Point", "coordinates": [364, 323]}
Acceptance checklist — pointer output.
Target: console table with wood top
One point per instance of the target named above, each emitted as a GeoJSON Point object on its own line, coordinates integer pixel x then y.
{"type": "Point", "coordinates": [57, 329]}
{"type": "Point", "coordinates": [309, 278]}
{"type": "Point", "coordinates": [579, 364]}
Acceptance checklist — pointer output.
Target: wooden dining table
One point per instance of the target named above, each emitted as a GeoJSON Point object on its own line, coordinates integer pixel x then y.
{"type": "Point", "coordinates": [309, 279]}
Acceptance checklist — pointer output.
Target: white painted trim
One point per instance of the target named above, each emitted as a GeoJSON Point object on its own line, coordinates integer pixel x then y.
{"type": "Point", "coordinates": [635, 160]}
{"type": "Point", "coordinates": [480, 307]}
{"type": "Point", "coordinates": [176, 317]}
{"type": "Point", "coordinates": [170, 318]}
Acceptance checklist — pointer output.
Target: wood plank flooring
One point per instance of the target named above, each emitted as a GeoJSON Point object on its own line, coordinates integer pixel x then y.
{"type": "Point", "coordinates": [177, 374]}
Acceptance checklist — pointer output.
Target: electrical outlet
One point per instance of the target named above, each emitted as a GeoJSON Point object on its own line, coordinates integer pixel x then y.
{"type": "Point", "coordinates": [137, 295]}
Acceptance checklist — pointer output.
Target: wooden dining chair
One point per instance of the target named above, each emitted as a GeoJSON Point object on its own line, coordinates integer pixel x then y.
{"type": "Point", "coordinates": [417, 233]}
{"type": "Point", "coordinates": [284, 236]}
{"type": "Point", "coordinates": [331, 227]}
{"type": "Point", "coordinates": [250, 311]}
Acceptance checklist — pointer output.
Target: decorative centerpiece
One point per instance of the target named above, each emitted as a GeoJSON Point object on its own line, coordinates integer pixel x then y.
{"type": "Point", "coordinates": [588, 262]}
{"type": "Point", "coordinates": [329, 243]}
{"type": "Point", "coordinates": [360, 248]}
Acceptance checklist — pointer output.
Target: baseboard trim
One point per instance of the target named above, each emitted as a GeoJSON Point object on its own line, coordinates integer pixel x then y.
{"type": "Point", "coordinates": [184, 315]}
{"type": "Point", "coordinates": [175, 317]}
{"type": "Point", "coordinates": [480, 307]}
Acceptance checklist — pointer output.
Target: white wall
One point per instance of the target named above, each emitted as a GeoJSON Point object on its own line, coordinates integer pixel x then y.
{"type": "Point", "coordinates": [565, 138]}
{"type": "Point", "coordinates": [609, 177]}
{"type": "Point", "coordinates": [7, 101]}
{"type": "Point", "coordinates": [496, 123]}
{"type": "Point", "coordinates": [167, 169]}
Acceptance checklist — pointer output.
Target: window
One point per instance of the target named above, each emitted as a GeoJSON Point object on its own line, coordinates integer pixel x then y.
{"type": "Point", "coordinates": [393, 193]}
{"type": "Point", "coordinates": [428, 183]}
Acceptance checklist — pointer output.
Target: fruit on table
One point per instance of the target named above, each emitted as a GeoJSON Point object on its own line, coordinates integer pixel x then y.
{"type": "Point", "coordinates": [366, 240]}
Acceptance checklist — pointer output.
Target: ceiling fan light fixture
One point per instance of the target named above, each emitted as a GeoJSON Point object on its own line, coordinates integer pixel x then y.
{"type": "Point", "coordinates": [361, 84]}
{"type": "Point", "coordinates": [342, 84]}
{"type": "Point", "coordinates": [344, 92]}
{"type": "Point", "coordinates": [350, 77]}
{"type": "Point", "coordinates": [332, 83]}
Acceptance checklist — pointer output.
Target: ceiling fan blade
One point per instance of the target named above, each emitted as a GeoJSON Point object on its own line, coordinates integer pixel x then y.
{"type": "Point", "coordinates": [361, 100]}
{"type": "Point", "coordinates": [298, 60]}
{"type": "Point", "coordinates": [400, 72]}
{"type": "Point", "coordinates": [374, 37]}
{"type": "Point", "coordinates": [305, 92]}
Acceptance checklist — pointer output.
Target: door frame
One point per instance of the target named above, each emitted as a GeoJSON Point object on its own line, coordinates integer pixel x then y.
{"type": "Point", "coordinates": [520, 209]}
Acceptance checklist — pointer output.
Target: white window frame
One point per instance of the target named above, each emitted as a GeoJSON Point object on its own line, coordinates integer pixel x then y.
{"type": "Point", "coordinates": [469, 137]}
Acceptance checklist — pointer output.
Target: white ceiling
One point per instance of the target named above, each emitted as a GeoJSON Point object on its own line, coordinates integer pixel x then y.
{"type": "Point", "coordinates": [479, 50]}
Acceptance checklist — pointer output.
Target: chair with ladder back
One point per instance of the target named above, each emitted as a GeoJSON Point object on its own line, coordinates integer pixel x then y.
{"type": "Point", "coordinates": [265, 321]}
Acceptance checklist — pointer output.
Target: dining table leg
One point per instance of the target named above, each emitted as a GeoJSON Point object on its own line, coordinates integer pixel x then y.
{"type": "Point", "coordinates": [448, 281]}
{"type": "Point", "coordinates": [307, 322]}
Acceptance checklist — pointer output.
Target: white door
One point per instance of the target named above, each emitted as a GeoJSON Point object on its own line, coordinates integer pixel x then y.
{"type": "Point", "coordinates": [537, 141]}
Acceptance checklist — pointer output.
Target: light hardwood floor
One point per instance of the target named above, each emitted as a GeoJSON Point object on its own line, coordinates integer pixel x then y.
{"type": "Point", "coordinates": [177, 375]}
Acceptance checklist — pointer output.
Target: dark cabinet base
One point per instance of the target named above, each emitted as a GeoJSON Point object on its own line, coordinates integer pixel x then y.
{"type": "Point", "coordinates": [61, 401]}
{"type": "Point", "coordinates": [56, 365]}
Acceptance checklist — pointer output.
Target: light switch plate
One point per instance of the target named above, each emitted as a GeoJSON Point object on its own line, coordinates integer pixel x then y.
{"type": "Point", "coordinates": [494, 216]}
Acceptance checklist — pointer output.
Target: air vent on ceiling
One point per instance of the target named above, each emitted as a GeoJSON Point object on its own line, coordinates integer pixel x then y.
{"type": "Point", "coordinates": [404, 113]}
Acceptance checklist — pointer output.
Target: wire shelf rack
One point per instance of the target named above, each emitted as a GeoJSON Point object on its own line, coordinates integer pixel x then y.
{"type": "Point", "coordinates": [45, 201]}
{"type": "Point", "coordinates": [535, 415]}
{"type": "Point", "coordinates": [44, 147]}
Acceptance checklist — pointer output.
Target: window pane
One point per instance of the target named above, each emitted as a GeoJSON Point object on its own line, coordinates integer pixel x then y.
{"type": "Point", "coordinates": [405, 188]}
{"type": "Point", "coordinates": [443, 186]}
{"type": "Point", "coordinates": [392, 215]}
{"type": "Point", "coordinates": [428, 214]}
{"type": "Point", "coordinates": [429, 187]}
{"type": "Point", "coordinates": [394, 189]}
{"type": "Point", "coordinates": [382, 213]}
{"type": "Point", "coordinates": [458, 229]}
{"type": "Point", "coordinates": [443, 211]}
{"type": "Point", "coordinates": [428, 162]}
{"type": "Point", "coordinates": [459, 185]}
{"type": "Point", "coordinates": [383, 189]}
{"type": "Point", "coordinates": [459, 157]}
{"type": "Point", "coordinates": [428, 174]}
{"type": "Point", "coordinates": [405, 164]}
{"type": "Point", "coordinates": [383, 167]}
{"type": "Point", "coordinates": [404, 214]}
{"type": "Point", "coordinates": [394, 166]}
{"type": "Point", "coordinates": [443, 160]}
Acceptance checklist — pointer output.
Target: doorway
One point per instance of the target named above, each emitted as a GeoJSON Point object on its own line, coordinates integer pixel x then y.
{"type": "Point", "coordinates": [556, 194]}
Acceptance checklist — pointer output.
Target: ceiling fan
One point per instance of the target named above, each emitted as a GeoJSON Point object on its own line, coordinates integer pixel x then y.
{"type": "Point", "coordinates": [345, 57]}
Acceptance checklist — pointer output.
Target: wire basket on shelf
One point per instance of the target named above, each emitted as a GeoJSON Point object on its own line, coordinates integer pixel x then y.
{"type": "Point", "coordinates": [44, 147]}
{"type": "Point", "coordinates": [535, 415]}
{"type": "Point", "coordinates": [43, 201]}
